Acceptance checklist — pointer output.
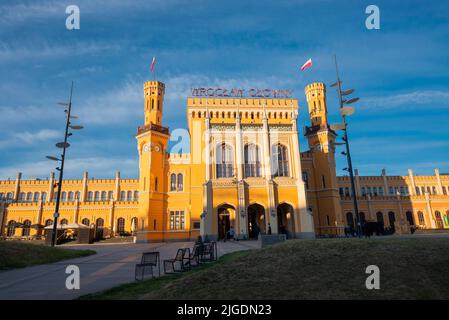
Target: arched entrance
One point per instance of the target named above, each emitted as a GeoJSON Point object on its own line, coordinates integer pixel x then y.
{"type": "Point", "coordinates": [256, 220]}
{"type": "Point", "coordinates": [99, 228]}
{"type": "Point", "coordinates": [391, 220]}
{"type": "Point", "coordinates": [224, 220]}
{"type": "Point", "coordinates": [285, 220]}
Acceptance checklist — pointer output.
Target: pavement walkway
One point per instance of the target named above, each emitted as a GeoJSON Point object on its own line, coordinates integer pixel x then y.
{"type": "Point", "coordinates": [112, 265]}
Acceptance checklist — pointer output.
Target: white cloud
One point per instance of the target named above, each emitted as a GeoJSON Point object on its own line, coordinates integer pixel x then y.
{"type": "Point", "coordinates": [36, 51]}
{"type": "Point", "coordinates": [113, 106]}
{"type": "Point", "coordinates": [412, 99]}
{"type": "Point", "coordinates": [33, 137]}
{"type": "Point", "coordinates": [98, 167]}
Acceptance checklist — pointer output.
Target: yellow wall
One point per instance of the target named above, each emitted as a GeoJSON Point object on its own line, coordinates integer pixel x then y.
{"type": "Point", "coordinates": [218, 119]}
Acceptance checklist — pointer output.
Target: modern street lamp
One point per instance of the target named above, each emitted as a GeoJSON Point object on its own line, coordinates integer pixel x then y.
{"type": "Point", "coordinates": [62, 145]}
{"type": "Point", "coordinates": [345, 111]}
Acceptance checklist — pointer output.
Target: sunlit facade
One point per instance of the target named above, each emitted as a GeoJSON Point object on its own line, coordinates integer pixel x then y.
{"type": "Point", "coordinates": [245, 169]}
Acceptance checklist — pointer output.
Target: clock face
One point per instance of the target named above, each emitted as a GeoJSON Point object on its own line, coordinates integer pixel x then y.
{"type": "Point", "coordinates": [157, 148]}
{"type": "Point", "coordinates": [146, 148]}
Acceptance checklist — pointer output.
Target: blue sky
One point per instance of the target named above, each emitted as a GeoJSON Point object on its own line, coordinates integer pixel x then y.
{"type": "Point", "coordinates": [400, 72]}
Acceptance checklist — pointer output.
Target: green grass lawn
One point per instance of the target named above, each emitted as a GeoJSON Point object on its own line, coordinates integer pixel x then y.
{"type": "Point", "coordinates": [410, 268]}
{"type": "Point", "coordinates": [18, 254]}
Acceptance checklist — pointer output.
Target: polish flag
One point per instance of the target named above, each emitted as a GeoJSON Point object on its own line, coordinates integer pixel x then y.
{"type": "Point", "coordinates": [153, 62]}
{"type": "Point", "coordinates": [306, 65]}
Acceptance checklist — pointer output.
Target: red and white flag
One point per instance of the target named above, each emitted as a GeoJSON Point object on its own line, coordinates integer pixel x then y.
{"type": "Point", "coordinates": [153, 62]}
{"type": "Point", "coordinates": [306, 65]}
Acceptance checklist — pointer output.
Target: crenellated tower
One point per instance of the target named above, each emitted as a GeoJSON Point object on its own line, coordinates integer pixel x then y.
{"type": "Point", "coordinates": [154, 102]}
{"type": "Point", "coordinates": [321, 139]}
{"type": "Point", "coordinates": [152, 140]}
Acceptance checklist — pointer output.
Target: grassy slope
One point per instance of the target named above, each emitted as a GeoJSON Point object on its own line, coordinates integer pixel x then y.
{"type": "Point", "coordinates": [20, 254]}
{"type": "Point", "coordinates": [316, 269]}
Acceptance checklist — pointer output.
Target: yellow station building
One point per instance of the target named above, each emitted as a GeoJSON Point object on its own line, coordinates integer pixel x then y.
{"type": "Point", "coordinates": [245, 170]}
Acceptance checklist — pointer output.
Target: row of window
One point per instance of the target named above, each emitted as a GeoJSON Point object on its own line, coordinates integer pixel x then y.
{"type": "Point", "coordinates": [176, 182]}
{"type": "Point", "coordinates": [71, 196]}
{"type": "Point", "coordinates": [403, 191]}
{"type": "Point", "coordinates": [246, 115]}
{"type": "Point", "coordinates": [431, 190]}
{"type": "Point", "coordinates": [440, 221]}
{"type": "Point", "coordinates": [224, 167]}
{"type": "Point", "coordinates": [99, 225]}
{"type": "Point", "coordinates": [375, 191]}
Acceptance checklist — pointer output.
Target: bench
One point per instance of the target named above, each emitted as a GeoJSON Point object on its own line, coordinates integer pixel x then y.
{"type": "Point", "coordinates": [195, 255]}
{"type": "Point", "coordinates": [208, 252]}
{"type": "Point", "coordinates": [179, 259]}
{"type": "Point", "coordinates": [148, 261]}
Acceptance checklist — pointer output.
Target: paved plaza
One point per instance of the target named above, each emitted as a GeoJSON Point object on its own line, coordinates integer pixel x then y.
{"type": "Point", "coordinates": [112, 265]}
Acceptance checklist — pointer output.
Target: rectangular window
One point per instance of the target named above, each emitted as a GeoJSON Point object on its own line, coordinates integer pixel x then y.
{"type": "Point", "coordinates": [176, 220]}
{"type": "Point", "coordinates": [196, 224]}
{"type": "Point", "coordinates": [305, 178]}
{"type": "Point", "coordinates": [391, 191]}
{"type": "Point", "coordinates": [381, 191]}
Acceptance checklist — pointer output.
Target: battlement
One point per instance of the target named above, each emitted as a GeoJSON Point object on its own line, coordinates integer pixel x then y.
{"type": "Point", "coordinates": [318, 86]}
{"type": "Point", "coordinates": [153, 84]}
{"type": "Point", "coordinates": [176, 158]}
{"type": "Point", "coordinates": [241, 102]}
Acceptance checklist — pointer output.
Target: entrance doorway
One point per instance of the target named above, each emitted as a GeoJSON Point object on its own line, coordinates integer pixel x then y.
{"type": "Point", "coordinates": [256, 220]}
{"type": "Point", "coordinates": [285, 220]}
{"type": "Point", "coordinates": [224, 220]}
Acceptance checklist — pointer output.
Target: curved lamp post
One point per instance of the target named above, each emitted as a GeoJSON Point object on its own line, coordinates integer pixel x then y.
{"type": "Point", "coordinates": [345, 111]}
{"type": "Point", "coordinates": [62, 145]}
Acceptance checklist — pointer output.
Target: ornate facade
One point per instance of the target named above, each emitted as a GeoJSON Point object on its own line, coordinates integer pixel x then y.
{"type": "Point", "coordinates": [245, 169]}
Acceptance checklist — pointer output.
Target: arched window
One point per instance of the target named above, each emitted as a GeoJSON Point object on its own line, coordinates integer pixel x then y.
{"type": "Point", "coordinates": [380, 218]}
{"type": "Point", "coordinates": [71, 195]}
{"type": "Point", "coordinates": [120, 226]}
{"type": "Point", "coordinates": [122, 196]}
{"type": "Point", "coordinates": [252, 160]}
{"type": "Point", "coordinates": [36, 196]}
{"type": "Point", "coordinates": [11, 228]}
{"type": "Point", "coordinates": [280, 160]}
{"type": "Point", "coordinates": [391, 219]}
{"type": "Point", "coordinates": [224, 166]}
{"type": "Point", "coordinates": [85, 221]}
{"type": "Point", "coordinates": [350, 219]}
{"type": "Point", "coordinates": [77, 195]}
{"type": "Point", "coordinates": [44, 196]}
{"type": "Point", "coordinates": [110, 195]}
{"type": "Point", "coordinates": [99, 228]}
{"type": "Point", "coordinates": [26, 228]}
{"type": "Point", "coordinates": [421, 218]}
{"type": "Point", "coordinates": [136, 195]}
{"type": "Point", "coordinates": [173, 182]}
{"type": "Point", "coordinates": [22, 196]}
{"type": "Point", "coordinates": [64, 221]}
{"type": "Point", "coordinates": [9, 196]}
{"type": "Point", "coordinates": [180, 182]}
{"type": "Point", "coordinates": [439, 220]}
{"type": "Point", "coordinates": [103, 196]}
{"type": "Point", "coordinates": [63, 196]}
{"type": "Point", "coordinates": [97, 195]}
{"type": "Point", "coordinates": [48, 222]}
{"type": "Point", "coordinates": [90, 196]}
{"type": "Point", "coordinates": [446, 218]}
{"type": "Point", "coordinates": [134, 224]}
{"type": "Point", "coordinates": [129, 196]}
{"type": "Point", "coordinates": [29, 196]}
{"type": "Point", "coordinates": [409, 216]}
